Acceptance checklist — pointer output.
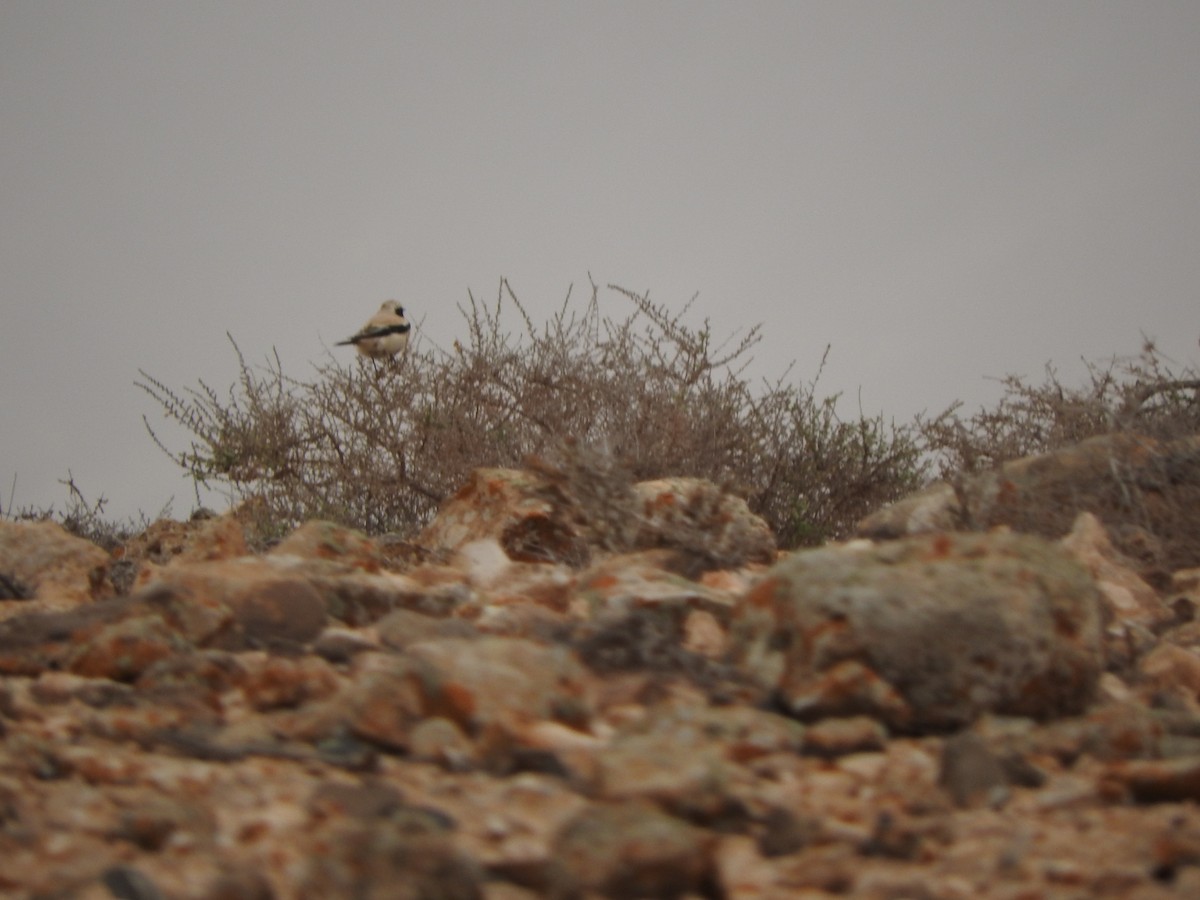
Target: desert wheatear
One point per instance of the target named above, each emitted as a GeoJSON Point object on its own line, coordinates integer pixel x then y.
{"type": "Point", "coordinates": [384, 335]}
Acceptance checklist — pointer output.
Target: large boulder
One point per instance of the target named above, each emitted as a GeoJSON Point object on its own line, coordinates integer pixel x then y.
{"type": "Point", "coordinates": [925, 634]}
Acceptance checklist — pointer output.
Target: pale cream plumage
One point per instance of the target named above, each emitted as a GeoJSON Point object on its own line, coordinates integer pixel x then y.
{"type": "Point", "coordinates": [384, 335]}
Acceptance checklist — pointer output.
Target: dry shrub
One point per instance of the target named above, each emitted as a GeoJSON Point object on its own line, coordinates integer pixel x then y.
{"type": "Point", "coordinates": [1139, 473]}
{"type": "Point", "coordinates": [1142, 394]}
{"type": "Point", "coordinates": [82, 517]}
{"type": "Point", "coordinates": [379, 446]}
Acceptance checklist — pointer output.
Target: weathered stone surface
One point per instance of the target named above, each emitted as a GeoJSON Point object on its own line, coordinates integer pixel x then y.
{"type": "Point", "coordinates": [515, 508]}
{"type": "Point", "coordinates": [1169, 670]}
{"type": "Point", "coordinates": [270, 607]}
{"type": "Point", "coordinates": [1142, 489]}
{"type": "Point", "coordinates": [533, 520]}
{"type": "Point", "coordinates": [383, 702]}
{"type": "Point", "coordinates": [694, 515]}
{"type": "Point", "coordinates": [327, 540]}
{"type": "Point", "coordinates": [410, 859]}
{"type": "Point", "coordinates": [402, 628]}
{"type": "Point", "coordinates": [271, 682]}
{"type": "Point", "coordinates": [57, 567]}
{"type": "Point", "coordinates": [312, 723]}
{"type": "Point", "coordinates": [441, 741]}
{"type": "Point", "coordinates": [618, 585]}
{"type": "Point", "coordinates": [202, 539]}
{"type": "Point", "coordinates": [499, 681]}
{"type": "Point", "coordinates": [972, 772]}
{"type": "Point", "coordinates": [1157, 781]}
{"type": "Point", "coordinates": [839, 737]}
{"type": "Point", "coordinates": [359, 598]}
{"type": "Point", "coordinates": [123, 650]}
{"type": "Point", "coordinates": [485, 686]}
{"type": "Point", "coordinates": [631, 850]}
{"type": "Point", "coordinates": [1129, 598]}
{"type": "Point", "coordinates": [926, 634]}
{"type": "Point", "coordinates": [675, 764]}
{"type": "Point", "coordinates": [505, 583]}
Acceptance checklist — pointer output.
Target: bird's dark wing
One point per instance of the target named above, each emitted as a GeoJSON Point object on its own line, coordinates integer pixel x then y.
{"type": "Point", "coordinates": [376, 332]}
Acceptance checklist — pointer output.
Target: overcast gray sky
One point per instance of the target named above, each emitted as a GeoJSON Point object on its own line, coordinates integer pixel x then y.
{"type": "Point", "coordinates": [942, 191]}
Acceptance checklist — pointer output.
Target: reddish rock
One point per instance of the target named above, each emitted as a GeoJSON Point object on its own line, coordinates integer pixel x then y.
{"type": "Point", "coordinates": [123, 650]}
{"type": "Point", "coordinates": [618, 585]}
{"type": "Point", "coordinates": [202, 539]}
{"type": "Point", "coordinates": [37, 641]}
{"type": "Point", "coordinates": [1128, 598]}
{"type": "Point", "coordinates": [60, 569]}
{"type": "Point", "coordinates": [518, 509]}
{"type": "Point", "coordinates": [390, 735]}
{"type": "Point", "coordinates": [200, 617]}
{"type": "Point", "coordinates": [383, 701]}
{"type": "Point", "coordinates": [329, 541]}
{"type": "Point", "coordinates": [882, 631]}
{"type": "Point", "coordinates": [695, 515]}
{"type": "Point", "coordinates": [271, 682]}
{"type": "Point", "coordinates": [501, 681]}
{"type": "Point", "coordinates": [270, 607]}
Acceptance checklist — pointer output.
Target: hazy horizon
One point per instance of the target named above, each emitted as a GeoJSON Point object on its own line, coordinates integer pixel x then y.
{"type": "Point", "coordinates": [944, 192]}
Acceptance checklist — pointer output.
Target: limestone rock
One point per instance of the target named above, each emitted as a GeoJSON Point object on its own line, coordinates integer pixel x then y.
{"type": "Point", "coordinates": [631, 850]}
{"type": "Point", "coordinates": [1141, 488]}
{"type": "Point", "coordinates": [927, 633]}
{"type": "Point", "coordinates": [515, 508]}
{"type": "Point", "coordinates": [696, 516]}
{"type": "Point", "coordinates": [489, 684]}
{"type": "Point", "coordinates": [676, 765]}
{"type": "Point", "coordinates": [333, 718]}
{"type": "Point", "coordinates": [533, 519]}
{"type": "Point", "coordinates": [199, 540]}
{"type": "Point", "coordinates": [1128, 597]}
{"type": "Point", "coordinates": [619, 585]}
{"type": "Point", "coordinates": [326, 540]}
{"type": "Point", "coordinates": [59, 568]}
{"type": "Point", "coordinates": [270, 607]}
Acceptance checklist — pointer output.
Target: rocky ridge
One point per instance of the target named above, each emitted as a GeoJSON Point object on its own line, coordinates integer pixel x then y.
{"type": "Point", "coordinates": [511, 709]}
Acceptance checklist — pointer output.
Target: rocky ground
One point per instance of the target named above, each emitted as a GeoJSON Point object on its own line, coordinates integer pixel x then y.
{"type": "Point", "coordinates": [506, 710]}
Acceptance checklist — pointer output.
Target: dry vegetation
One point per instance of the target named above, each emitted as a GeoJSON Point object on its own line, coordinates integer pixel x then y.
{"type": "Point", "coordinates": [596, 402]}
{"type": "Point", "coordinates": [1142, 394]}
{"type": "Point", "coordinates": [1142, 479]}
{"type": "Point", "coordinates": [642, 396]}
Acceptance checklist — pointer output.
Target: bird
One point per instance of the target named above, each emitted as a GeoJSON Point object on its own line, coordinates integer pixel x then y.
{"type": "Point", "coordinates": [384, 335]}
